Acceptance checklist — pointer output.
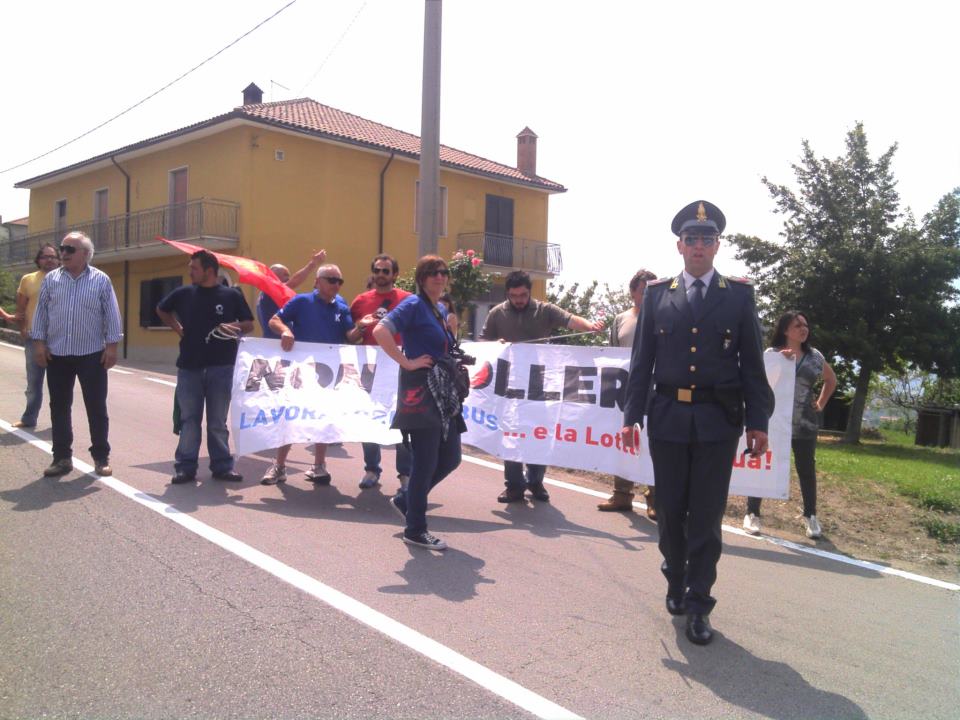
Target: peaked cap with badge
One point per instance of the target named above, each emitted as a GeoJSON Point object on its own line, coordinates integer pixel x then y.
{"type": "Point", "coordinates": [699, 215]}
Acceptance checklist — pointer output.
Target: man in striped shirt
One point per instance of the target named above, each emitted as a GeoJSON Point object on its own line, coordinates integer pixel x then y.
{"type": "Point", "coordinates": [75, 332]}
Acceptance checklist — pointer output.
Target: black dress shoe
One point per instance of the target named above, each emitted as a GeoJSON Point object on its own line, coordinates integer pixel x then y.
{"type": "Point", "coordinates": [539, 492]}
{"type": "Point", "coordinates": [699, 631]}
{"type": "Point", "coordinates": [229, 476]}
{"type": "Point", "coordinates": [511, 495]}
{"type": "Point", "coordinates": [676, 606]}
{"type": "Point", "coordinates": [181, 478]}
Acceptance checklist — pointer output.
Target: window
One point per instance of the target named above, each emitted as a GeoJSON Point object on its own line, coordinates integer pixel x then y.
{"type": "Point", "coordinates": [151, 293]}
{"type": "Point", "coordinates": [100, 214]}
{"type": "Point", "coordinates": [441, 211]}
{"type": "Point", "coordinates": [60, 218]}
{"type": "Point", "coordinates": [177, 212]}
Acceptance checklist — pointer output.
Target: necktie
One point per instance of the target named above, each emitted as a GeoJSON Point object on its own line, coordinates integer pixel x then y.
{"type": "Point", "coordinates": [696, 298]}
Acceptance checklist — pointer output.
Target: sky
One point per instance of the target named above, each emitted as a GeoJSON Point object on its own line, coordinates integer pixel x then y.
{"type": "Point", "coordinates": [639, 108]}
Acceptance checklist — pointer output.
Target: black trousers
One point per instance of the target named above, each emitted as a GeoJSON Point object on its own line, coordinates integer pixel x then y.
{"type": "Point", "coordinates": [62, 372]}
{"type": "Point", "coordinates": [805, 460]}
{"type": "Point", "coordinates": [692, 481]}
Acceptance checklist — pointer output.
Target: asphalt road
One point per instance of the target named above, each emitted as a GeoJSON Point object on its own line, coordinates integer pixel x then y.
{"type": "Point", "coordinates": [133, 598]}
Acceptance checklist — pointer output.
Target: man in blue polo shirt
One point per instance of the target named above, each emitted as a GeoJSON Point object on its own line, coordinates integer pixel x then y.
{"type": "Point", "coordinates": [321, 316]}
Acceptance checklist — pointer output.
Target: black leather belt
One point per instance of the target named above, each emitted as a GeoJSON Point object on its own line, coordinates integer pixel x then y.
{"type": "Point", "coordinates": [687, 395]}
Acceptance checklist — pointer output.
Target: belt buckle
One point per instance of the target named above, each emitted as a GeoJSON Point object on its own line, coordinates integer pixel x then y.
{"type": "Point", "coordinates": [684, 395]}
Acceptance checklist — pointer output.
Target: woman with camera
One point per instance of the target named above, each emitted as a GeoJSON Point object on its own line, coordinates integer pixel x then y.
{"type": "Point", "coordinates": [429, 397]}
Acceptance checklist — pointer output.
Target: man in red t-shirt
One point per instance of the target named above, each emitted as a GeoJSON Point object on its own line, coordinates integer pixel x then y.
{"type": "Point", "coordinates": [367, 309]}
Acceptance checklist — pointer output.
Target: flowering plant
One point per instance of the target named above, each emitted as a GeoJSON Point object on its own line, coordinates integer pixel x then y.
{"type": "Point", "coordinates": [468, 280]}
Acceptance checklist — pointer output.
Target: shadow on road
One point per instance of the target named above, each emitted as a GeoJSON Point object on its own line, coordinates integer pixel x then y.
{"type": "Point", "coordinates": [453, 576]}
{"type": "Point", "coordinates": [768, 688]}
{"type": "Point", "coordinates": [44, 492]}
{"type": "Point", "coordinates": [794, 558]}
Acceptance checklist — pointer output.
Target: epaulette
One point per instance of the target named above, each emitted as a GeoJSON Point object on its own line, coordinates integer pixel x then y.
{"type": "Point", "coordinates": [741, 280]}
{"type": "Point", "coordinates": [658, 281]}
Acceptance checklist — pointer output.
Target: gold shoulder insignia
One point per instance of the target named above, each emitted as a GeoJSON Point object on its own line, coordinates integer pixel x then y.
{"type": "Point", "coordinates": [721, 282]}
{"type": "Point", "coordinates": [676, 283]}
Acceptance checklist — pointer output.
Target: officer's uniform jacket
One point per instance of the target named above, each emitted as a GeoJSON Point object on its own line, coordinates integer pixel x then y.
{"type": "Point", "coordinates": [721, 348]}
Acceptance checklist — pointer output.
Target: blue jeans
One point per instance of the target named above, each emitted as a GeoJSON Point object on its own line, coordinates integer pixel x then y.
{"type": "Point", "coordinates": [514, 476]}
{"type": "Point", "coordinates": [433, 459]}
{"type": "Point", "coordinates": [34, 391]}
{"type": "Point", "coordinates": [371, 459]}
{"type": "Point", "coordinates": [194, 387]}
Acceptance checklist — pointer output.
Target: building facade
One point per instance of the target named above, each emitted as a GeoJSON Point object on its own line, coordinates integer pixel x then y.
{"type": "Point", "coordinates": [273, 182]}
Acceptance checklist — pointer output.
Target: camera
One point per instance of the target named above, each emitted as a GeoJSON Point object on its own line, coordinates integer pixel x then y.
{"type": "Point", "coordinates": [457, 353]}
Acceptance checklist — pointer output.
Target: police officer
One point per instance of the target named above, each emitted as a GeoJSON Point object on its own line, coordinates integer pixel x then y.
{"type": "Point", "coordinates": [699, 342]}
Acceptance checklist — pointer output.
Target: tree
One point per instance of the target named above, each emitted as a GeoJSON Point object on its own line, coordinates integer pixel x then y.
{"type": "Point", "coordinates": [878, 289]}
{"type": "Point", "coordinates": [588, 302]}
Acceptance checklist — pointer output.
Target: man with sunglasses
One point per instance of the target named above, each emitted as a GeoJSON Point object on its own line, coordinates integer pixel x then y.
{"type": "Point", "coordinates": [321, 316]}
{"type": "Point", "coordinates": [266, 307]}
{"type": "Point", "coordinates": [367, 309]}
{"type": "Point", "coordinates": [699, 343]}
{"type": "Point", "coordinates": [75, 332]}
{"type": "Point", "coordinates": [28, 292]}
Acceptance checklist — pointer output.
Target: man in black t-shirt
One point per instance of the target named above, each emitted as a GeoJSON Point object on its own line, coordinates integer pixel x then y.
{"type": "Point", "coordinates": [208, 317]}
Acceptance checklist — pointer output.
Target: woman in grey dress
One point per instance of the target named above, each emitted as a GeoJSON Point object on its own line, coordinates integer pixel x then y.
{"type": "Point", "coordinates": [791, 338]}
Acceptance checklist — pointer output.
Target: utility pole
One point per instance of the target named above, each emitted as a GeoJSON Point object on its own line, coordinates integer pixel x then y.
{"type": "Point", "coordinates": [429, 198]}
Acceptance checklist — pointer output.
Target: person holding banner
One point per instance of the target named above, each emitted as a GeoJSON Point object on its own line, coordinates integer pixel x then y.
{"type": "Point", "coordinates": [208, 318]}
{"type": "Point", "coordinates": [520, 318]}
{"type": "Point", "coordinates": [699, 341]}
{"type": "Point", "coordinates": [791, 338]}
{"type": "Point", "coordinates": [367, 309]}
{"type": "Point", "coordinates": [266, 307]}
{"type": "Point", "coordinates": [622, 330]}
{"type": "Point", "coordinates": [429, 403]}
{"type": "Point", "coordinates": [321, 316]}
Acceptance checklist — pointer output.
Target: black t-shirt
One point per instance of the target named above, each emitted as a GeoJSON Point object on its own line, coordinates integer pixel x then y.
{"type": "Point", "coordinates": [200, 310]}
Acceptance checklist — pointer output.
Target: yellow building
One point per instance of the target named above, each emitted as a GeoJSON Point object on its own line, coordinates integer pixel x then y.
{"type": "Point", "coordinates": [273, 182]}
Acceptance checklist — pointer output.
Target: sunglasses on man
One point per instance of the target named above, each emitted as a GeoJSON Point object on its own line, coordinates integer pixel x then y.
{"type": "Point", "coordinates": [705, 240]}
{"type": "Point", "coordinates": [332, 280]}
{"type": "Point", "coordinates": [68, 249]}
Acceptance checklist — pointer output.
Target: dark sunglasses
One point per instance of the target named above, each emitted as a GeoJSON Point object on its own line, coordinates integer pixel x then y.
{"type": "Point", "coordinates": [67, 249]}
{"type": "Point", "coordinates": [705, 240]}
{"type": "Point", "coordinates": [332, 280]}
{"type": "Point", "coordinates": [382, 271]}
{"type": "Point", "coordinates": [438, 273]}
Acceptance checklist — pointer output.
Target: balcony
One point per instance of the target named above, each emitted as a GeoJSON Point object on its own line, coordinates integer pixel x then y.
{"type": "Point", "coordinates": [514, 253]}
{"type": "Point", "coordinates": [213, 224]}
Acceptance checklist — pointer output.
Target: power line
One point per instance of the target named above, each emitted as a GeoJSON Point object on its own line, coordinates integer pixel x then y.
{"type": "Point", "coordinates": [332, 50]}
{"type": "Point", "coordinates": [153, 94]}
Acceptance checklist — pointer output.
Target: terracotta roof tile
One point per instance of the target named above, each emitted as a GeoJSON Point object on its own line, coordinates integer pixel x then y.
{"type": "Point", "coordinates": [309, 115]}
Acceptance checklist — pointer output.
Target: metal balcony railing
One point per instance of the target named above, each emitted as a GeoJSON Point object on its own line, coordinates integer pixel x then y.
{"type": "Point", "coordinates": [515, 253]}
{"type": "Point", "coordinates": [193, 220]}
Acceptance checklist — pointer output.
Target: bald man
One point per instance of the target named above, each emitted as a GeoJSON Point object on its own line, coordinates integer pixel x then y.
{"type": "Point", "coordinates": [267, 308]}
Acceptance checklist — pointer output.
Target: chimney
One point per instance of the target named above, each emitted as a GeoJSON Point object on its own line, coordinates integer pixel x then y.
{"type": "Point", "coordinates": [252, 95]}
{"type": "Point", "coordinates": [527, 152]}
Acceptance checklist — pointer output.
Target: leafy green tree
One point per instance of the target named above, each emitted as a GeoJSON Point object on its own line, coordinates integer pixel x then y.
{"type": "Point", "coordinates": [878, 288]}
{"type": "Point", "coordinates": [589, 301]}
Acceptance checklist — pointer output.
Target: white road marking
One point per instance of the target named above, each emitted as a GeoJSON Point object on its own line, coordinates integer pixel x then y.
{"type": "Point", "coordinates": [416, 641]}
{"type": "Point", "coordinates": [161, 382]}
{"type": "Point", "coordinates": [11, 345]}
{"type": "Point", "coordinates": [122, 372]}
{"type": "Point", "coordinates": [865, 564]}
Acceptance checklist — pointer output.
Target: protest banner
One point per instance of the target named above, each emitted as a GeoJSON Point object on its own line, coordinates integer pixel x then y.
{"type": "Point", "coordinates": [545, 404]}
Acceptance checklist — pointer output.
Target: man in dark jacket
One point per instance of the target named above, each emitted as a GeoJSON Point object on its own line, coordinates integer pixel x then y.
{"type": "Point", "coordinates": [699, 342]}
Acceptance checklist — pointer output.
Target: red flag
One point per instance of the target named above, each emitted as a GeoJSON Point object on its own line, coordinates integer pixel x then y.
{"type": "Point", "coordinates": [251, 272]}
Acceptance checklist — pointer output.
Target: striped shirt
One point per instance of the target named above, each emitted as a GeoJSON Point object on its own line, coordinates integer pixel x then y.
{"type": "Point", "coordinates": [77, 316]}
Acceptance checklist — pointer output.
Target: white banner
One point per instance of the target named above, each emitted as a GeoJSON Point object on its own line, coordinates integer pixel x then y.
{"type": "Point", "coordinates": [544, 404]}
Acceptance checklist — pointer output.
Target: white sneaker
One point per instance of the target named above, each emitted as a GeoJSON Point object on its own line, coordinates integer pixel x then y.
{"type": "Point", "coordinates": [318, 474]}
{"type": "Point", "coordinates": [812, 526]}
{"type": "Point", "coordinates": [275, 475]}
{"type": "Point", "coordinates": [370, 479]}
{"type": "Point", "coordinates": [404, 479]}
{"type": "Point", "coordinates": [751, 524]}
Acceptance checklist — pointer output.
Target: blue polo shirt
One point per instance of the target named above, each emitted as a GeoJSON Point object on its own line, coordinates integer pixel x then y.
{"type": "Point", "coordinates": [313, 320]}
{"type": "Point", "coordinates": [266, 309]}
{"type": "Point", "coordinates": [419, 328]}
